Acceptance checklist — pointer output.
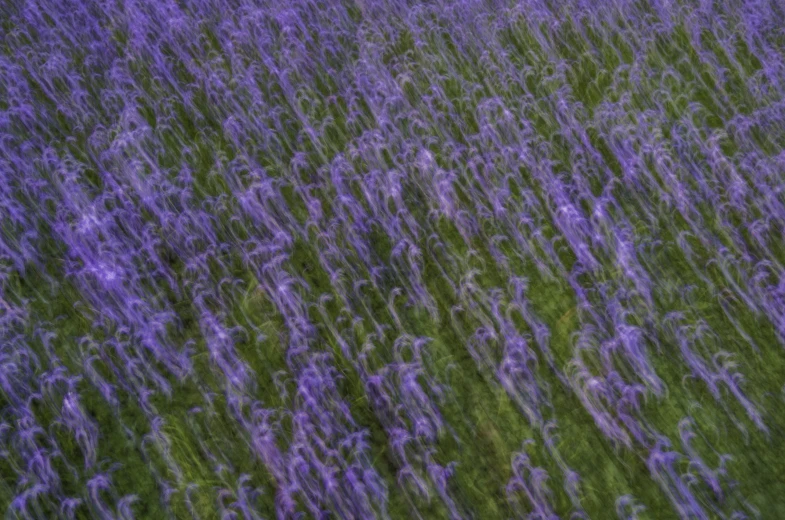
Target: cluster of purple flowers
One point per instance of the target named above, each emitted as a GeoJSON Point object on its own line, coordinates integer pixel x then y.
{"type": "Point", "coordinates": [248, 244]}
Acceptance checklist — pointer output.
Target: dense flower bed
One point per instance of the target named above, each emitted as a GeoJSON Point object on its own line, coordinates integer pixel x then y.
{"type": "Point", "coordinates": [373, 259]}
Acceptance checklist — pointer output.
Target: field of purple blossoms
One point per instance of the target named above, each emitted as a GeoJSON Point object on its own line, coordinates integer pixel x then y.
{"type": "Point", "coordinates": [354, 259]}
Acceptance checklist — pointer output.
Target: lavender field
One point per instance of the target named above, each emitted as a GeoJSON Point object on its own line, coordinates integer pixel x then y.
{"type": "Point", "coordinates": [359, 259]}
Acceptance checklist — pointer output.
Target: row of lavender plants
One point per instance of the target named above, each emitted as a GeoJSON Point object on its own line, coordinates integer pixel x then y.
{"type": "Point", "coordinates": [392, 259]}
